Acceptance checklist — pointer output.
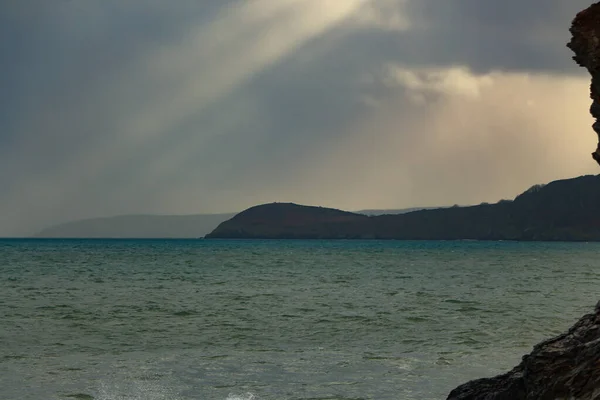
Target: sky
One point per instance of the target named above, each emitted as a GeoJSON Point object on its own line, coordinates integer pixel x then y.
{"type": "Point", "coordinates": [112, 107]}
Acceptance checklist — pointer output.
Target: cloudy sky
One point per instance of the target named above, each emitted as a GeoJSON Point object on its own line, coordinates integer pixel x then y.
{"type": "Point", "coordinates": [113, 107]}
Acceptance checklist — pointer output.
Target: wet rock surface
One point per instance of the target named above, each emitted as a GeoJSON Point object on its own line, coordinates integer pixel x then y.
{"type": "Point", "coordinates": [585, 43]}
{"type": "Point", "coordinates": [566, 367]}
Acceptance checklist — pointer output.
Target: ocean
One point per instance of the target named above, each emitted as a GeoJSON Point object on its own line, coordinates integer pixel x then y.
{"type": "Point", "coordinates": [275, 320]}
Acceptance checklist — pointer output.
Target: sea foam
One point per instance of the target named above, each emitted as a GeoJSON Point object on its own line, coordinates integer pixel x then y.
{"type": "Point", "coordinates": [246, 396]}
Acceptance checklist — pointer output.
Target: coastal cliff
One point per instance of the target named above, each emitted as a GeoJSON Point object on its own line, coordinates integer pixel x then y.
{"type": "Point", "coordinates": [585, 43]}
{"type": "Point", "coordinates": [565, 210]}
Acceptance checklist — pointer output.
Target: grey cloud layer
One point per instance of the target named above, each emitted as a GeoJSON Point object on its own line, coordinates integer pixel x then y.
{"type": "Point", "coordinates": [487, 35]}
{"type": "Point", "coordinates": [114, 107]}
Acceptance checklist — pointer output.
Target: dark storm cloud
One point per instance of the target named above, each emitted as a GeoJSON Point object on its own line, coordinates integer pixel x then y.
{"type": "Point", "coordinates": [512, 35]}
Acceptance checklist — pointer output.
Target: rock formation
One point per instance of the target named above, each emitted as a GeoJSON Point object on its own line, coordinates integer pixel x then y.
{"type": "Point", "coordinates": [585, 43]}
{"type": "Point", "coordinates": [566, 367]}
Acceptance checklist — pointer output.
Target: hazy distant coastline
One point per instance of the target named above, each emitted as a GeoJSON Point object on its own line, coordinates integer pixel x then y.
{"type": "Point", "coordinates": [157, 226]}
{"type": "Point", "coordinates": [138, 226]}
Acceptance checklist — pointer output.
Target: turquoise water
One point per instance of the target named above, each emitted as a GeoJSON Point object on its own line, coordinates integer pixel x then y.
{"type": "Point", "coordinates": [274, 320]}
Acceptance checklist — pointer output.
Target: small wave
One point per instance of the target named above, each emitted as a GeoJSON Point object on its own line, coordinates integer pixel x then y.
{"type": "Point", "coordinates": [184, 313]}
{"type": "Point", "coordinates": [135, 390]}
{"type": "Point", "coordinates": [246, 396]}
{"type": "Point", "coordinates": [458, 301]}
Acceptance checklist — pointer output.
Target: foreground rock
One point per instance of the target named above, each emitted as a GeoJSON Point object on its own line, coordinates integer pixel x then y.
{"type": "Point", "coordinates": [564, 368]}
{"type": "Point", "coordinates": [585, 43]}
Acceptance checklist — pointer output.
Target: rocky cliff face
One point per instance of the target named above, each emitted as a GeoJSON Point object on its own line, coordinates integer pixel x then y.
{"type": "Point", "coordinates": [564, 368]}
{"type": "Point", "coordinates": [585, 43]}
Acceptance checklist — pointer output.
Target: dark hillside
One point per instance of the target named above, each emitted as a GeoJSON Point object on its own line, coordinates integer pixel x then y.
{"type": "Point", "coordinates": [567, 210]}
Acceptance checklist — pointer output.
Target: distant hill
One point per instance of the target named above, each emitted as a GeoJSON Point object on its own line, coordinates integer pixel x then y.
{"type": "Point", "coordinates": [288, 220]}
{"type": "Point", "coordinates": [138, 226]}
{"type": "Point", "coordinates": [566, 210]}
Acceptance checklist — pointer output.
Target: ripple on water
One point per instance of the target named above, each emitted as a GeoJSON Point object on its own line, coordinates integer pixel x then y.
{"type": "Point", "coordinates": [186, 320]}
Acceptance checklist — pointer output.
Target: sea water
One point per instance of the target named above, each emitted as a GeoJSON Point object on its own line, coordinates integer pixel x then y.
{"type": "Point", "coordinates": [274, 320]}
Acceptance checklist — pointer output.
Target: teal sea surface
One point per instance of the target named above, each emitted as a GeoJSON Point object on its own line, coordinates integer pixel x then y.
{"type": "Point", "coordinates": [278, 320]}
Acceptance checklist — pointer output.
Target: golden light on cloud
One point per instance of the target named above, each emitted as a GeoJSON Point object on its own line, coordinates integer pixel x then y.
{"type": "Point", "coordinates": [451, 81]}
{"type": "Point", "coordinates": [471, 138]}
